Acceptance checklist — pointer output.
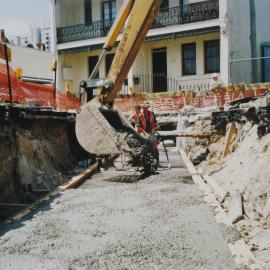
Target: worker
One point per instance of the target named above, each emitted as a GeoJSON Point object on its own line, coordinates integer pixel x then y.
{"type": "Point", "coordinates": [147, 124]}
{"type": "Point", "coordinates": [134, 117]}
{"type": "Point", "coordinates": [216, 82]}
{"type": "Point", "coordinates": [41, 46]}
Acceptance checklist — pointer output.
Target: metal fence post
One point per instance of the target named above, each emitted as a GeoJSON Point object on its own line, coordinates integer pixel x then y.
{"type": "Point", "coordinates": [8, 76]}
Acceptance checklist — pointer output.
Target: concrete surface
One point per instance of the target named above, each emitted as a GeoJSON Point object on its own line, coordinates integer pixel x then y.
{"type": "Point", "coordinates": [161, 222]}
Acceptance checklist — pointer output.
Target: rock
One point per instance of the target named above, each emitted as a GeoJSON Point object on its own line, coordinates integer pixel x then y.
{"type": "Point", "coordinates": [236, 207]}
{"type": "Point", "coordinates": [199, 154]}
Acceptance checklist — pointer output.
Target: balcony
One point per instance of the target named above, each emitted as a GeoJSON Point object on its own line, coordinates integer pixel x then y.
{"type": "Point", "coordinates": [201, 11]}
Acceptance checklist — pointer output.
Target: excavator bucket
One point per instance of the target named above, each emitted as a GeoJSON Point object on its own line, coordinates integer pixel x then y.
{"type": "Point", "coordinates": [103, 131]}
{"type": "Point", "coordinates": [100, 131]}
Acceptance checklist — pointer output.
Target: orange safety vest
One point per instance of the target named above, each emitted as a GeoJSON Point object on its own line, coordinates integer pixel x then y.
{"type": "Point", "coordinates": [134, 118]}
{"type": "Point", "coordinates": [151, 118]}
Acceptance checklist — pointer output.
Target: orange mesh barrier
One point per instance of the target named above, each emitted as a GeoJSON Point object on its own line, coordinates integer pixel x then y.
{"type": "Point", "coordinates": [163, 103]}
{"type": "Point", "coordinates": [32, 93]}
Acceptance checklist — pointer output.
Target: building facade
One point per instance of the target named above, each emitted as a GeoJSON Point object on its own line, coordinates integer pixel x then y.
{"type": "Point", "coordinates": [39, 33]}
{"type": "Point", "coordinates": [189, 40]}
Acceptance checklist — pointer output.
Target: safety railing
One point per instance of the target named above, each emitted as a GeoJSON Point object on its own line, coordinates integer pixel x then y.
{"type": "Point", "coordinates": [204, 10]}
{"type": "Point", "coordinates": [83, 31]}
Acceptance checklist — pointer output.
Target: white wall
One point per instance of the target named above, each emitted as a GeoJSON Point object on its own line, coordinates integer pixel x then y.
{"type": "Point", "coordinates": [239, 36]}
{"type": "Point", "coordinates": [53, 17]}
{"type": "Point", "coordinates": [70, 12]}
{"type": "Point", "coordinates": [38, 67]}
{"type": "Point", "coordinates": [224, 41]}
{"type": "Point", "coordinates": [143, 64]}
{"type": "Point", "coordinates": [78, 62]}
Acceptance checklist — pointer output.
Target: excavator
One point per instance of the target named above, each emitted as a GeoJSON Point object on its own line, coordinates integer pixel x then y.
{"type": "Point", "coordinates": [100, 129]}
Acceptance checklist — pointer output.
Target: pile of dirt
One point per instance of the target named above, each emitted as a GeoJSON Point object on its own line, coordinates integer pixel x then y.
{"type": "Point", "coordinates": [245, 170]}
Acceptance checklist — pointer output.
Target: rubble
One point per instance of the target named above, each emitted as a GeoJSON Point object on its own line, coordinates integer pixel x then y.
{"type": "Point", "coordinates": [199, 154]}
{"type": "Point", "coordinates": [245, 171]}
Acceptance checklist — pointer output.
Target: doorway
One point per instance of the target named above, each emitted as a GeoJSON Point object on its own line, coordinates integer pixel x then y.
{"type": "Point", "coordinates": [160, 70]}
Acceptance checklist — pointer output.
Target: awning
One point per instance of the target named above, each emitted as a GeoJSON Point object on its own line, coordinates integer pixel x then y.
{"type": "Point", "coordinates": [174, 35]}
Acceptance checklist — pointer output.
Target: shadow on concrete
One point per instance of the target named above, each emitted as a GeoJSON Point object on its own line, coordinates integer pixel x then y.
{"type": "Point", "coordinates": [17, 220]}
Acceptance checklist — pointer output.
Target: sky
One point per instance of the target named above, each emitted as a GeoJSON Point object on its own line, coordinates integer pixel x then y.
{"type": "Point", "coordinates": [17, 15]}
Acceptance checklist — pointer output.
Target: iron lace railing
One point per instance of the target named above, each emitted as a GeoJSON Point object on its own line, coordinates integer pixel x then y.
{"type": "Point", "coordinates": [205, 10]}
{"type": "Point", "coordinates": [83, 31]}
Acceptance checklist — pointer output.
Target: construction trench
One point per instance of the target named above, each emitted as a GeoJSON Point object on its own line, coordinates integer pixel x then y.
{"type": "Point", "coordinates": [208, 206]}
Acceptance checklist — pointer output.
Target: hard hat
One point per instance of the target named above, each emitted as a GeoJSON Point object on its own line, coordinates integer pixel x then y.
{"type": "Point", "coordinates": [145, 104]}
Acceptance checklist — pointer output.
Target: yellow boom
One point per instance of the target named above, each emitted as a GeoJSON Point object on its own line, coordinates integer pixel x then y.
{"type": "Point", "coordinates": [97, 126]}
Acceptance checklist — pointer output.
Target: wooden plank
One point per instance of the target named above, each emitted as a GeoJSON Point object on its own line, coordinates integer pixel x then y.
{"type": "Point", "coordinates": [236, 208]}
{"type": "Point", "coordinates": [28, 210]}
{"type": "Point", "coordinates": [232, 130]}
{"type": "Point", "coordinates": [79, 179]}
{"type": "Point", "coordinates": [176, 133]}
{"type": "Point", "coordinates": [192, 170]}
{"type": "Point", "coordinates": [219, 191]}
{"type": "Point", "coordinates": [209, 196]}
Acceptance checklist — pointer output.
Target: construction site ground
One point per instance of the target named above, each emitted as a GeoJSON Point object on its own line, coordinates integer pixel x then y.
{"type": "Point", "coordinates": [161, 222]}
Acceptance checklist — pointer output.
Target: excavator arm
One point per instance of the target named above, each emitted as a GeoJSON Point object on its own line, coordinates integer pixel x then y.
{"type": "Point", "coordinates": [100, 129]}
{"type": "Point", "coordinates": [139, 22]}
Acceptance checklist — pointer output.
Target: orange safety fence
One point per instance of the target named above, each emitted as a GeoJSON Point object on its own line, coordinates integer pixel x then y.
{"type": "Point", "coordinates": [28, 94]}
{"type": "Point", "coordinates": [161, 102]}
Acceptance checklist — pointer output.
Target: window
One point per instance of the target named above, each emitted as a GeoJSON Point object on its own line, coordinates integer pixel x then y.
{"type": "Point", "coordinates": [183, 2]}
{"type": "Point", "coordinates": [189, 59]}
{"type": "Point", "coordinates": [109, 11]}
{"type": "Point", "coordinates": [164, 6]}
{"type": "Point", "coordinates": [212, 56]}
{"type": "Point", "coordinates": [184, 5]}
{"type": "Point", "coordinates": [266, 61]}
{"type": "Point", "coordinates": [88, 11]}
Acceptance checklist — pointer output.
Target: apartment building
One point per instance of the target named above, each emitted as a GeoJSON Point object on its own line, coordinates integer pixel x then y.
{"type": "Point", "coordinates": [189, 40]}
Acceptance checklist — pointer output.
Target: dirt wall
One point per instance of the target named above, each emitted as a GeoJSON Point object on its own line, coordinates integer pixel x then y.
{"type": "Point", "coordinates": [33, 153]}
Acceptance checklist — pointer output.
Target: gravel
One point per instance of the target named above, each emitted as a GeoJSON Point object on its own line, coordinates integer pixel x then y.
{"type": "Point", "coordinates": [157, 223]}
